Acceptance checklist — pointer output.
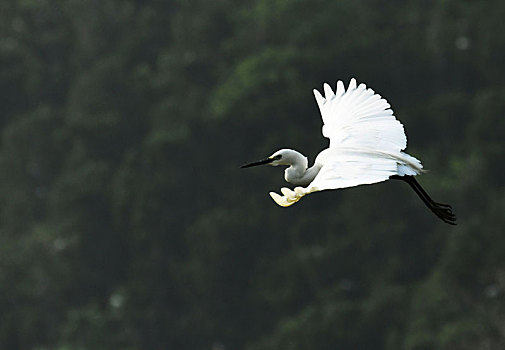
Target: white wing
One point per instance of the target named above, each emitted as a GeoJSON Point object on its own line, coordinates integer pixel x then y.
{"type": "Point", "coordinates": [348, 167]}
{"type": "Point", "coordinates": [359, 117]}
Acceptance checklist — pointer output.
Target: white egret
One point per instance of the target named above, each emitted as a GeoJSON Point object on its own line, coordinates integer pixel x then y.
{"type": "Point", "coordinates": [366, 144]}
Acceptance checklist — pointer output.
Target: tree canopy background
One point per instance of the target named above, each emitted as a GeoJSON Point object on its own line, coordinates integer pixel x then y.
{"type": "Point", "coordinates": [126, 222]}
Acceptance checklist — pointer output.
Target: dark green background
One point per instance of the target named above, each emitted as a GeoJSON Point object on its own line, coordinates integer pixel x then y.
{"type": "Point", "coordinates": [126, 223]}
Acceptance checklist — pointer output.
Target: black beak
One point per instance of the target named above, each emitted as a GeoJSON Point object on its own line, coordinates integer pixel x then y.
{"type": "Point", "coordinates": [259, 162]}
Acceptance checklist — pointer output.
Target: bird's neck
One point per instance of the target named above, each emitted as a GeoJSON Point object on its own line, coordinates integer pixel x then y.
{"type": "Point", "coordinates": [298, 174]}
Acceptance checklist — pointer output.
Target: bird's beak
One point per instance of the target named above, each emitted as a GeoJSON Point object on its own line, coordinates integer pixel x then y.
{"type": "Point", "coordinates": [259, 162]}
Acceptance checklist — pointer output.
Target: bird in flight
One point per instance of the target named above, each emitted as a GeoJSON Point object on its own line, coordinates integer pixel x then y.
{"type": "Point", "coordinates": [366, 144]}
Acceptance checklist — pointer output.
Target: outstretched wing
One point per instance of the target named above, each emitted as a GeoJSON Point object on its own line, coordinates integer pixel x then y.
{"type": "Point", "coordinates": [348, 167]}
{"type": "Point", "coordinates": [359, 118]}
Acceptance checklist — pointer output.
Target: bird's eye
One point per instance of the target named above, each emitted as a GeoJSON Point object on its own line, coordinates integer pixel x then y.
{"type": "Point", "coordinates": [277, 157]}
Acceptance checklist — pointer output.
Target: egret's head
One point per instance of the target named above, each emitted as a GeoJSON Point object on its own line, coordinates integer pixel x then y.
{"type": "Point", "coordinates": [281, 157]}
{"type": "Point", "coordinates": [284, 157]}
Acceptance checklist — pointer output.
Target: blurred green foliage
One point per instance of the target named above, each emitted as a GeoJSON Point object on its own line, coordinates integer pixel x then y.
{"type": "Point", "coordinates": [126, 222]}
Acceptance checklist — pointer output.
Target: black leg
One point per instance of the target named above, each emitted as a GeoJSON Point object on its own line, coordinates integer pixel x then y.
{"type": "Point", "coordinates": [414, 182]}
{"type": "Point", "coordinates": [443, 211]}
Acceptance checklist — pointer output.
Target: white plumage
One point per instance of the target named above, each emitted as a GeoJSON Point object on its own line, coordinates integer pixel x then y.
{"type": "Point", "coordinates": [366, 144]}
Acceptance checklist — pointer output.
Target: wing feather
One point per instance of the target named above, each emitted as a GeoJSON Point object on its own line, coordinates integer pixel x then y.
{"type": "Point", "coordinates": [351, 117]}
{"type": "Point", "coordinates": [340, 88]}
{"type": "Point", "coordinates": [348, 167]}
{"type": "Point", "coordinates": [319, 97]}
{"type": "Point", "coordinates": [328, 92]}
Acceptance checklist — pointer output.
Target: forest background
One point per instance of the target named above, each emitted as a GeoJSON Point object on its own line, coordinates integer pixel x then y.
{"type": "Point", "coordinates": [126, 222]}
